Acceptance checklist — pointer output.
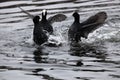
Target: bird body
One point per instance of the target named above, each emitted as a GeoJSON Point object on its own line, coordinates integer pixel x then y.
{"type": "Point", "coordinates": [39, 36]}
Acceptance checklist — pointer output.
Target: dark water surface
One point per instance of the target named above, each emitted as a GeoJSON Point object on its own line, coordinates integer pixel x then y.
{"type": "Point", "coordinates": [96, 58]}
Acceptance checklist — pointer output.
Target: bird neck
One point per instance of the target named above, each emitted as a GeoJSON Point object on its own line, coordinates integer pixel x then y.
{"type": "Point", "coordinates": [36, 22]}
{"type": "Point", "coordinates": [36, 25]}
{"type": "Point", "coordinates": [76, 19]}
{"type": "Point", "coordinates": [44, 18]}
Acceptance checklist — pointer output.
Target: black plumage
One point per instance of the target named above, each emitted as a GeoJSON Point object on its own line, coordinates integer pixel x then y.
{"type": "Point", "coordinates": [45, 24]}
{"type": "Point", "coordinates": [39, 36]}
{"type": "Point", "coordinates": [78, 30]}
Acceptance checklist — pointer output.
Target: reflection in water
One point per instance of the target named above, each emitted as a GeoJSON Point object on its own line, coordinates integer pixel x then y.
{"type": "Point", "coordinates": [42, 57]}
{"type": "Point", "coordinates": [87, 50]}
{"type": "Point", "coordinates": [38, 55]}
{"type": "Point", "coordinates": [37, 70]}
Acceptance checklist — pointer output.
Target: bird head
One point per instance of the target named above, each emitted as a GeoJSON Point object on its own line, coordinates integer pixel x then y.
{"type": "Point", "coordinates": [44, 12]}
{"type": "Point", "coordinates": [36, 19]}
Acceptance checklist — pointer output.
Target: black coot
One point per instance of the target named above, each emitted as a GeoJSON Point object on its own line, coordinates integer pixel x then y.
{"type": "Point", "coordinates": [78, 30]}
{"type": "Point", "coordinates": [39, 36]}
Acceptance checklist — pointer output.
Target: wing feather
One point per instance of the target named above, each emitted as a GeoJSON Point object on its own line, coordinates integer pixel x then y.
{"type": "Point", "coordinates": [93, 23]}
{"type": "Point", "coordinates": [57, 18]}
{"type": "Point", "coordinates": [29, 15]}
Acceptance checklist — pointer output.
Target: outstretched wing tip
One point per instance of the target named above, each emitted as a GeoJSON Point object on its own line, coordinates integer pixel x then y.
{"type": "Point", "coordinates": [57, 18]}
{"type": "Point", "coordinates": [29, 15]}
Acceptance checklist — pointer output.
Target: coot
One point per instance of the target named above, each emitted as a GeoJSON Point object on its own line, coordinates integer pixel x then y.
{"type": "Point", "coordinates": [78, 30]}
{"type": "Point", "coordinates": [39, 36]}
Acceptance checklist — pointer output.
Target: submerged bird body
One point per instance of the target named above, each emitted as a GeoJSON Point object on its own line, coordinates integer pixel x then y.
{"type": "Point", "coordinates": [39, 36]}
{"type": "Point", "coordinates": [78, 30]}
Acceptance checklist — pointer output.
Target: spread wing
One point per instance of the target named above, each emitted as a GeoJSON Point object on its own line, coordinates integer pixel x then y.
{"type": "Point", "coordinates": [99, 17]}
{"type": "Point", "coordinates": [52, 19]}
{"type": "Point", "coordinates": [89, 28]}
{"type": "Point", "coordinates": [29, 15]}
{"type": "Point", "coordinates": [94, 22]}
{"type": "Point", "coordinates": [57, 18]}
